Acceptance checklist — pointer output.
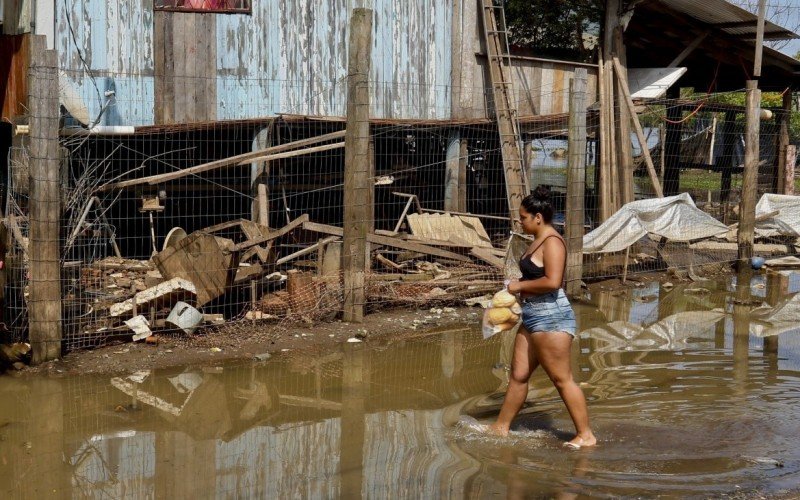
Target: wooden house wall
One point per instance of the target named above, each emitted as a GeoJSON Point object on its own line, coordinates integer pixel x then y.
{"type": "Point", "coordinates": [541, 87]}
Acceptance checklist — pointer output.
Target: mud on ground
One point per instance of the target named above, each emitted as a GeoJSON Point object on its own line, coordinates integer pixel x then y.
{"type": "Point", "coordinates": [247, 340]}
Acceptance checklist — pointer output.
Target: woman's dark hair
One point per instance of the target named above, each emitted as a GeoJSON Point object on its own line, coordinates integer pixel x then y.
{"type": "Point", "coordinates": [538, 202]}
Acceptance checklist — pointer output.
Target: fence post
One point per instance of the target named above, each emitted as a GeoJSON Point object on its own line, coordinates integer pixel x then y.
{"type": "Point", "coordinates": [358, 180]}
{"type": "Point", "coordinates": [44, 304]}
{"type": "Point", "coordinates": [788, 171]}
{"type": "Point", "coordinates": [452, 188]}
{"type": "Point", "coordinates": [779, 183]}
{"type": "Point", "coordinates": [576, 181]}
{"type": "Point", "coordinates": [747, 208]}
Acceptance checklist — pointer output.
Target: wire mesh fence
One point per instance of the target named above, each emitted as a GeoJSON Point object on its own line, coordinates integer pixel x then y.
{"type": "Point", "coordinates": [169, 228]}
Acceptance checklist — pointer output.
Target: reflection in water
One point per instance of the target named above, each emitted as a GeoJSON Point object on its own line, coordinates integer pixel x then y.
{"type": "Point", "coordinates": [677, 381]}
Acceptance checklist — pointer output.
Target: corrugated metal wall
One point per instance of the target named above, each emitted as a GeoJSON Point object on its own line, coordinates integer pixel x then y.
{"type": "Point", "coordinates": [287, 57]}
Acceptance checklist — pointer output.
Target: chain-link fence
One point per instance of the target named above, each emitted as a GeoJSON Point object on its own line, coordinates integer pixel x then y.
{"type": "Point", "coordinates": [190, 225]}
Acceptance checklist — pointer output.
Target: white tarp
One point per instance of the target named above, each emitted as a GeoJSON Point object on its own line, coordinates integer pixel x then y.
{"type": "Point", "coordinates": [674, 217]}
{"type": "Point", "coordinates": [786, 222]}
{"type": "Point", "coordinates": [783, 318]}
{"type": "Point", "coordinates": [672, 333]}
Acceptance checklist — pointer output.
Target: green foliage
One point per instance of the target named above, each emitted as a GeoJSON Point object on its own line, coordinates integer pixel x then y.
{"type": "Point", "coordinates": [555, 28]}
{"type": "Point", "coordinates": [768, 100]}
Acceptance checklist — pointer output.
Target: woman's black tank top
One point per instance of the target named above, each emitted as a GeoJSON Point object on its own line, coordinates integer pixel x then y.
{"type": "Point", "coordinates": [531, 271]}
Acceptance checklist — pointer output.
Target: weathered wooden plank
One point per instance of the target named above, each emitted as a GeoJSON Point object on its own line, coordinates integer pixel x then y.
{"type": "Point", "coordinates": [44, 304]}
{"type": "Point", "coordinates": [160, 67]}
{"type": "Point", "coordinates": [358, 185]}
{"type": "Point", "coordinates": [626, 94]}
{"type": "Point", "coordinates": [389, 241]}
{"type": "Point", "coordinates": [487, 255]}
{"type": "Point", "coordinates": [273, 152]}
{"type": "Point", "coordinates": [302, 220]}
{"type": "Point", "coordinates": [576, 183]}
{"type": "Point", "coordinates": [205, 260]}
{"type": "Point", "coordinates": [747, 212]}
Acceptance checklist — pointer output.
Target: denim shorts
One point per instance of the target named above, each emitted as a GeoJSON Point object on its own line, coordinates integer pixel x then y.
{"type": "Point", "coordinates": [548, 312]}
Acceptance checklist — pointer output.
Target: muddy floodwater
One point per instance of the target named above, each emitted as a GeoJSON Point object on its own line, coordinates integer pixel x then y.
{"type": "Point", "coordinates": [691, 395]}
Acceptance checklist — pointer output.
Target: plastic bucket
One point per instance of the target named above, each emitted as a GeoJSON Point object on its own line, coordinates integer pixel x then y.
{"type": "Point", "coordinates": [185, 317]}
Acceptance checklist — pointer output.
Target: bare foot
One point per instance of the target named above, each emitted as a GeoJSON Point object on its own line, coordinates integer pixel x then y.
{"type": "Point", "coordinates": [581, 442]}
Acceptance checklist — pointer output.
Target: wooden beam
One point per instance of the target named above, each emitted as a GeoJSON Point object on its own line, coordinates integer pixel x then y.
{"type": "Point", "coordinates": [462, 175]}
{"type": "Point", "coordinates": [271, 153]}
{"type": "Point", "coordinates": [273, 235]}
{"type": "Point", "coordinates": [602, 169]}
{"type": "Point", "coordinates": [651, 169]}
{"type": "Point", "coordinates": [297, 152]}
{"type": "Point", "coordinates": [486, 255]}
{"type": "Point", "coordinates": [779, 183]}
{"type": "Point", "coordinates": [622, 118]}
{"type": "Point", "coordinates": [389, 242]}
{"type": "Point", "coordinates": [762, 11]}
{"type": "Point", "coordinates": [307, 250]}
{"type": "Point", "coordinates": [672, 143]}
{"type": "Point", "coordinates": [688, 50]}
{"type": "Point", "coordinates": [452, 190]}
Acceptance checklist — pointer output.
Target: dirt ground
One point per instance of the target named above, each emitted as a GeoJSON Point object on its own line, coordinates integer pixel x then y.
{"type": "Point", "coordinates": [252, 340]}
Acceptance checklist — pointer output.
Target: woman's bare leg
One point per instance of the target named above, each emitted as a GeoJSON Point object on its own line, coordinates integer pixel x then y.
{"type": "Point", "coordinates": [522, 366]}
{"type": "Point", "coordinates": [553, 352]}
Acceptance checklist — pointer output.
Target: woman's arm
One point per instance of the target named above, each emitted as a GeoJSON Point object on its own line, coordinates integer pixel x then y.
{"type": "Point", "coordinates": [554, 255]}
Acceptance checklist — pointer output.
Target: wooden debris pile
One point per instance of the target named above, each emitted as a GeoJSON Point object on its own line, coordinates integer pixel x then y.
{"type": "Point", "coordinates": [292, 272]}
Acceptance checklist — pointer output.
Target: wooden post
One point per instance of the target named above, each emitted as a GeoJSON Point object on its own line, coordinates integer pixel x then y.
{"type": "Point", "coordinates": [451, 177]}
{"type": "Point", "coordinates": [358, 183]}
{"type": "Point", "coordinates": [259, 176]}
{"type": "Point", "coordinates": [762, 11]}
{"type": "Point", "coordinates": [672, 145]}
{"type": "Point", "coordinates": [747, 208]}
{"type": "Point", "coordinates": [44, 305]}
{"type": "Point", "coordinates": [602, 210]}
{"type": "Point", "coordinates": [779, 183]}
{"type": "Point", "coordinates": [527, 159]}
{"type": "Point", "coordinates": [576, 181]}
{"type": "Point", "coordinates": [462, 175]}
{"type": "Point", "coordinates": [626, 96]}
{"type": "Point", "coordinates": [791, 161]}
{"type": "Point", "coordinates": [622, 118]}
{"type": "Point", "coordinates": [726, 161]}
{"type": "Point", "coordinates": [662, 138]}
{"type": "Point", "coordinates": [605, 179]}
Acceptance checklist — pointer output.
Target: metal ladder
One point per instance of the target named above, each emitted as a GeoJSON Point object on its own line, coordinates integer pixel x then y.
{"type": "Point", "coordinates": [497, 52]}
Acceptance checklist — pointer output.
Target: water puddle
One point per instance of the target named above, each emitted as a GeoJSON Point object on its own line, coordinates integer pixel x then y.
{"type": "Point", "coordinates": [689, 394]}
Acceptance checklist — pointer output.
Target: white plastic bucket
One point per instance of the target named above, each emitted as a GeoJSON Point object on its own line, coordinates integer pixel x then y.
{"type": "Point", "coordinates": [185, 317]}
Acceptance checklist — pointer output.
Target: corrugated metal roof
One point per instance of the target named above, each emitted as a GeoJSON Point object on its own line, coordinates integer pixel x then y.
{"type": "Point", "coordinates": [729, 18]}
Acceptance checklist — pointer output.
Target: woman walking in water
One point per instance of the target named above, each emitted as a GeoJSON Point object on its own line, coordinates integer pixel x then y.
{"type": "Point", "coordinates": [548, 322]}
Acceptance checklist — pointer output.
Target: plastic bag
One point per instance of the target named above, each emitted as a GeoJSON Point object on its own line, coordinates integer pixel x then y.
{"type": "Point", "coordinates": [489, 329]}
{"type": "Point", "coordinates": [516, 246]}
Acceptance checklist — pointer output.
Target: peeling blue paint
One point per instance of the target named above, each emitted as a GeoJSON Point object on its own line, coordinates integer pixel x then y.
{"type": "Point", "coordinates": [286, 57]}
